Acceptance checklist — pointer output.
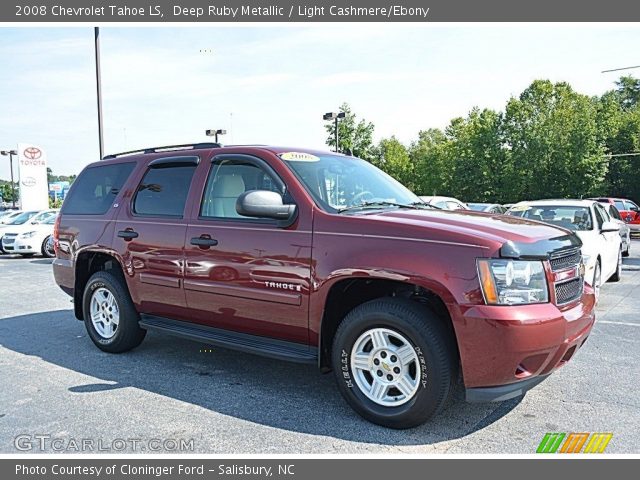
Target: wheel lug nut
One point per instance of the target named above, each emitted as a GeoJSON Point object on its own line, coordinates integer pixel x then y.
{"type": "Point", "coordinates": [389, 377]}
{"type": "Point", "coordinates": [379, 373]}
{"type": "Point", "coordinates": [376, 361]}
{"type": "Point", "coordinates": [393, 358]}
{"type": "Point", "coordinates": [396, 370]}
{"type": "Point", "coordinates": [383, 354]}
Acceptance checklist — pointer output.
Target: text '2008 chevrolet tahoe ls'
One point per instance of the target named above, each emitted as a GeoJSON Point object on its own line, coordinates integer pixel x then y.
{"type": "Point", "coordinates": [319, 257]}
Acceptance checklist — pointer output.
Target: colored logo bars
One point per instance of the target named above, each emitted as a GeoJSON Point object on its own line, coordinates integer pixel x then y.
{"type": "Point", "coordinates": [573, 442]}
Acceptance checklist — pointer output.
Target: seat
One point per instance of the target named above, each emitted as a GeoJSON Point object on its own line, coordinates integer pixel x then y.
{"type": "Point", "coordinates": [224, 193]}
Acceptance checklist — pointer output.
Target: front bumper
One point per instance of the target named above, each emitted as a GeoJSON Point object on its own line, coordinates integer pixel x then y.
{"type": "Point", "coordinates": [20, 245]}
{"type": "Point", "coordinates": [506, 350]}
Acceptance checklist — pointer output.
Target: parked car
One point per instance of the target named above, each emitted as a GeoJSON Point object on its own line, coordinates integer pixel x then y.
{"type": "Point", "coordinates": [629, 211]}
{"type": "Point", "coordinates": [32, 237]}
{"type": "Point", "coordinates": [487, 207]}
{"type": "Point", "coordinates": [7, 215]}
{"type": "Point", "coordinates": [600, 234]}
{"type": "Point", "coordinates": [625, 231]}
{"type": "Point", "coordinates": [322, 258]}
{"type": "Point", "coordinates": [21, 218]}
{"type": "Point", "coordinates": [445, 203]}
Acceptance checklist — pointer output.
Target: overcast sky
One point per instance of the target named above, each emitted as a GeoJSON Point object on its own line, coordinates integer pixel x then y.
{"type": "Point", "coordinates": [271, 84]}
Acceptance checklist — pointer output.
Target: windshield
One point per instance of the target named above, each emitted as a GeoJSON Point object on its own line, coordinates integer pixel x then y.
{"type": "Point", "coordinates": [337, 182]}
{"type": "Point", "coordinates": [572, 218]}
{"type": "Point", "coordinates": [22, 218]}
{"type": "Point", "coordinates": [42, 217]}
{"type": "Point", "coordinates": [478, 207]}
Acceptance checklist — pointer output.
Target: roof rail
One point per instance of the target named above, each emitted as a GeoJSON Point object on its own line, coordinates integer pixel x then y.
{"type": "Point", "coordinates": [167, 148]}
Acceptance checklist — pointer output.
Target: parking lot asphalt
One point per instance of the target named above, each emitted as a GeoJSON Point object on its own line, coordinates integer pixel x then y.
{"type": "Point", "coordinates": [56, 383]}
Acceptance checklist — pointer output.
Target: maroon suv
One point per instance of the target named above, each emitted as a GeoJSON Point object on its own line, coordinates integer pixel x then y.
{"type": "Point", "coordinates": [318, 257]}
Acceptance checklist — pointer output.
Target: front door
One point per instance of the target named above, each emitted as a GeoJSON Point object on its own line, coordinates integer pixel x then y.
{"type": "Point", "coordinates": [150, 233]}
{"type": "Point", "coordinates": [245, 274]}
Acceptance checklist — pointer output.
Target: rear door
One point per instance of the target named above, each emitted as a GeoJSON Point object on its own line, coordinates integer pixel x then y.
{"type": "Point", "coordinates": [610, 242]}
{"type": "Point", "coordinates": [150, 233]}
{"type": "Point", "coordinates": [244, 274]}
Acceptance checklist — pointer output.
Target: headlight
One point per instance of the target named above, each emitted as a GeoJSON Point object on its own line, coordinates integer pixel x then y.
{"type": "Point", "coordinates": [28, 234]}
{"type": "Point", "coordinates": [512, 282]}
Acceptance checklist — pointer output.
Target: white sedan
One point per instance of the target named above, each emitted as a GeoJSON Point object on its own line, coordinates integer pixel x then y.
{"type": "Point", "coordinates": [445, 203]}
{"type": "Point", "coordinates": [600, 234]}
{"type": "Point", "coordinates": [32, 237]}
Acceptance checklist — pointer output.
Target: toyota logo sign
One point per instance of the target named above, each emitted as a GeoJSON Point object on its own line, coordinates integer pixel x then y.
{"type": "Point", "coordinates": [29, 182]}
{"type": "Point", "coordinates": [32, 153]}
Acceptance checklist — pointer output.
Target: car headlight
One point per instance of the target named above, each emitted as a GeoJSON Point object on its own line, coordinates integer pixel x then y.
{"type": "Point", "coordinates": [28, 234]}
{"type": "Point", "coordinates": [513, 282]}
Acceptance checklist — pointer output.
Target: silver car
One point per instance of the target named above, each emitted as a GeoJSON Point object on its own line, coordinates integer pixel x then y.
{"type": "Point", "coordinates": [625, 231]}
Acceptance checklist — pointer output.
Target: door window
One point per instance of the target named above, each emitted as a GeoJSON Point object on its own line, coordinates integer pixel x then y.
{"type": "Point", "coordinates": [163, 191]}
{"type": "Point", "coordinates": [230, 179]}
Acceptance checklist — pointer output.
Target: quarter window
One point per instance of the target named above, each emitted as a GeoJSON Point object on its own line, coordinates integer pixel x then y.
{"type": "Point", "coordinates": [163, 191]}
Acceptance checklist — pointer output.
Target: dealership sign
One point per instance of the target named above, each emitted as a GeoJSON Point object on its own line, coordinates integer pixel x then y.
{"type": "Point", "coordinates": [32, 171]}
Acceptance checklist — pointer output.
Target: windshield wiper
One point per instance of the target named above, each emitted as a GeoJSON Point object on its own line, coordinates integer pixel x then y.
{"type": "Point", "coordinates": [383, 203]}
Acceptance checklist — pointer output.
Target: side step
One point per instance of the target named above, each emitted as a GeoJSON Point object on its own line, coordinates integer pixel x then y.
{"type": "Point", "coordinates": [265, 346]}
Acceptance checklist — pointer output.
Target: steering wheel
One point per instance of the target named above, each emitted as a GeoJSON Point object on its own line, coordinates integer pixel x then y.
{"type": "Point", "coordinates": [360, 196]}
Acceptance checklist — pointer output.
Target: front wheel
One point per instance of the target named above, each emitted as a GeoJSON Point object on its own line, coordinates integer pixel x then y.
{"type": "Point", "coordinates": [109, 314]}
{"type": "Point", "coordinates": [393, 362]}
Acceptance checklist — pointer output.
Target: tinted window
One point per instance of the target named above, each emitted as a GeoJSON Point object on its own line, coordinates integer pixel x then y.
{"type": "Point", "coordinates": [227, 181]}
{"type": "Point", "coordinates": [613, 211]}
{"type": "Point", "coordinates": [96, 188]}
{"type": "Point", "coordinates": [163, 191]}
{"type": "Point", "coordinates": [601, 215]}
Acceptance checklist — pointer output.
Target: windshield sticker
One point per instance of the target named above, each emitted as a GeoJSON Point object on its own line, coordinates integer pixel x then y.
{"type": "Point", "coordinates": [299, 157]}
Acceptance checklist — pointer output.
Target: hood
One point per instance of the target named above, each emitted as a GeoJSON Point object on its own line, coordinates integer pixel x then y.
{"type": "Point", "coordinates": [515, 237]}
{"type": "Point", "coordinates": [26, 227]}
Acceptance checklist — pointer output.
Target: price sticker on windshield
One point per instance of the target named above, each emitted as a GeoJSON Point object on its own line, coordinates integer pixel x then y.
{"type": "Point", "coordinates": [299, 157]}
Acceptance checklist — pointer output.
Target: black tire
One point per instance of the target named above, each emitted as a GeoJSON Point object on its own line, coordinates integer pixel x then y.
{"type": "Point", "coordinates": [618, 274]}
{"type": "Point", "coordinates": [128, 333]}
{"type": "Point", "coordinates": [627, 252]}
{"type": "Point", "coordinates": [26, 255]}
{"type": "Point", "coordinates": [43, 249]}
{"type": "Point", "coordinates": [433, 345]}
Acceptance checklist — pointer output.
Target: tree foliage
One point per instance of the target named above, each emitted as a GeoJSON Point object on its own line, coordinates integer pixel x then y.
{"type": "Point", "coordinates": [549, 142]}
{"type": "Point", "coordinates": [354, 136]}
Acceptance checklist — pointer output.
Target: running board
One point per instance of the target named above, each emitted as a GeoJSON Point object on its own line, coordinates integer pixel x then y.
{"type": "Point", "coordinates": [264, 346]}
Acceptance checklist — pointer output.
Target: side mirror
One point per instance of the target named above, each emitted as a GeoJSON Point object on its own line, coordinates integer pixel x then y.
{"type": "Point", "coordinates": [264, 204]}
{"type": "Point", "coordinates": [610, 227]}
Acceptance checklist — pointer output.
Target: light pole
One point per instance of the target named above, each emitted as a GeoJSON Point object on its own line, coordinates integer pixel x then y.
{"type": "Point", "coordinates": [99, 90]}
{"type": "Point", "coordinates": [11, 153]}
{"type": "Point", "coordinates": [215, 133]}
{"type": "Point", "coordinates": [335, 117]}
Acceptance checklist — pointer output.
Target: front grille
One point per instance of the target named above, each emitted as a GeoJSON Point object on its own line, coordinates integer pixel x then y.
{"type": "Point", "coordinates": [564, 260]}
{"type": "Point", "coordinates": [9, 239]}
{"type": "Point", "coordinates": [569, 290]}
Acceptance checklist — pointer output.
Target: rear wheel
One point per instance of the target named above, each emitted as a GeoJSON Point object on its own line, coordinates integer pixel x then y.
{"type": "Point", "coordinates": [109, 314]}
{"type": "Point", "coordinates": [393, 362]}
{"type": "Point", "coordinates": [627, 251]}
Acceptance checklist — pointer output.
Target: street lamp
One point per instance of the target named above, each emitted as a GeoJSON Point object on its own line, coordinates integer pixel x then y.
{"type": "Point", "coordinates": [11, 153]}
{"type": "Point", "coordinates": [215, 133]}
{"type": "Point", "coordinates": [335, 117]}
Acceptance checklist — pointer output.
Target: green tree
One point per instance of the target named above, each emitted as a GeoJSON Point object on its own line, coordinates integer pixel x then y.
{"type": "Point", "coordinates": [5, 191]}
{"type": "Point", "coordinates": [553, 136]}
{"type": "Point", "coordinates": [431, 166]}
{"type": "Point", "coordinates": [355, 136]}
{"type": "Point", "coordinates": [476, 153]}
{"type": "Point", "coordinates": [628, 91]}
{"type": "Point", "coordinates": [393, 157]}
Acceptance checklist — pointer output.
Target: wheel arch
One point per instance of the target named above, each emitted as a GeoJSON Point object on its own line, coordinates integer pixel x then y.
{"type": "Point", "coordinates": [346, 293]}
{"type": "Point", "coordinates": [87, 263]}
